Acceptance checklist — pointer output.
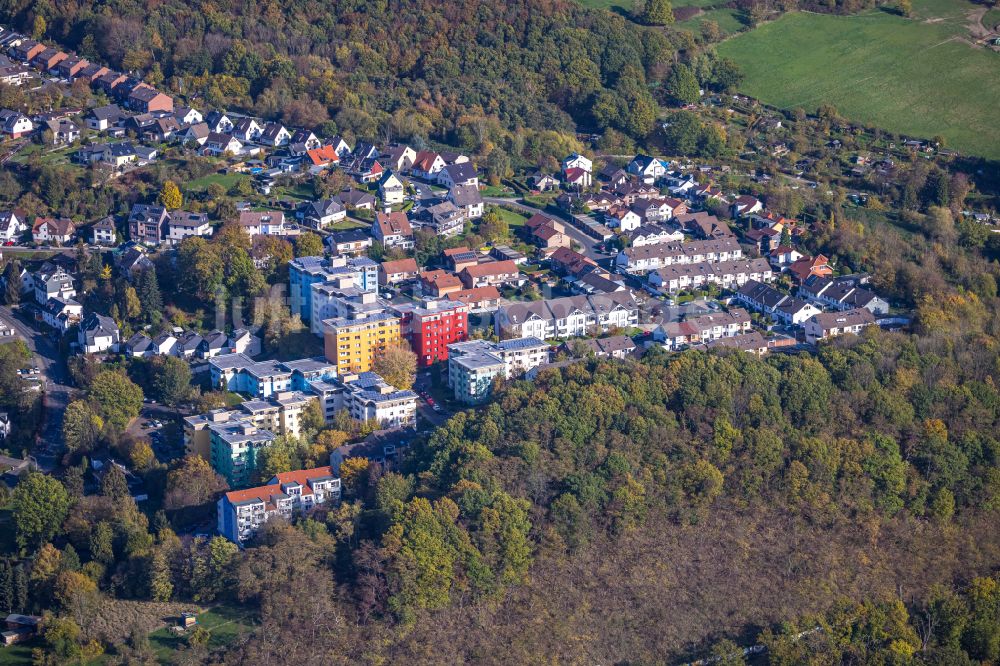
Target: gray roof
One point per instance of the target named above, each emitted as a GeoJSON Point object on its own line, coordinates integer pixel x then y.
{"type": "Point", "coordinates": [461, 172]}
{"type": "Point", "coordinates": [466, 195]}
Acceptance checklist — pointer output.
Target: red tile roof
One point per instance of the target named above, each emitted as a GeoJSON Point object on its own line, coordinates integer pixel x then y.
{"type": "Point", "coordinates": [323, 155]}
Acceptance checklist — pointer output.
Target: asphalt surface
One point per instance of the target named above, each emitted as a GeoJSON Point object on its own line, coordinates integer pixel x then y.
{"type": "Point", "coordinates": [58, 393]}
{"type": "Point", "coordinates": [588, 244]}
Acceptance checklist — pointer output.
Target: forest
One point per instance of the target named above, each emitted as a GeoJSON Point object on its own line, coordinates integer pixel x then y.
{"type": "Point", "coordinates": [386, 69]}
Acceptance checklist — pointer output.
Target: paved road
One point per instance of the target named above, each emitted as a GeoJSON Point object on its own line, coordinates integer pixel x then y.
{"type": "Point", "coordinates": [58, 393]}
{"type": "Point", "coordinates": [423, 190]}
{"type": "Point", "coordinates": [587, 243]}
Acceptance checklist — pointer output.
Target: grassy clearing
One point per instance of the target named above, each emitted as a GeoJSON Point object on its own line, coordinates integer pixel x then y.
{"type": "Point", "coordinates": [513, 219]}
{"type": "Point", "coordinates": [730, 20]}
{"type": "Point", "coordinates": [992, 19]}
{"type": "Point", "coordinates": [494, 191]}
{"type": "Point", "coordinates": [908, 76]}
{"type": "Point", "coordinates": [227, 180]}
{"type": "Point", "coordinates": [226, 624]}
{"type": "Point", "coordinates": [19, 654]}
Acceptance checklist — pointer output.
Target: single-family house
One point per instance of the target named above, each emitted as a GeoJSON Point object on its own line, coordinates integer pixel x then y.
{"type": "Point", "coordinates": [392, 273]}
{"type": "Point", "coordinates": [399, 157]}
{"type": "Point", "coordinates": [390, 189]}
{"type": "Point", "coordinates": [221, 144]}
{"type": "Point", "coordinates": [63, 131]}
{"type": "Point", "coordinates": [467, 198]}
{"type": "Point", "coordinates": [577, 161]}
{"type": "Point", "coordinates": [15, 124]}
{"type": "Point", "coordinates": [247, 130]}
{"type": "Point", "coordinates": [462, 173]}
{"type": "Point", "coordinates": [103, 232]}
{"type": "Point", "coordinates": [622, 218]}
{"type": "Point", "coordinates": [218, 122]}
{"type": "Point", "coordinates": [149, 100]}
{"type": "Point", "coordinates": [98, 334]}
{"type": "Point", "coordinates": [319, 214]}
{"type": "Point", "coordinates": [349, 242]}
{"type": "Point", "coordinates": [577, 178]}
{"type": "Point", "coordinates": [187, 116]}
{"type": "Point", "coordinates": [197, 133]}
{"type": "Point", "coordinates": [356, 200]}
{"type": "Point", "coordinates": [53, 230]}
{"type": "Point", "coordinates": [393, 230]}
{"type": "Point", "coordinates": [322, 158]}
{"type": "Point", "coordinates": [62, 313]}
{"type": "Point", "coordinates": [183, 224]}
{"type": "Point", "coordinates": [12, 225]}
{"type": "Point", "coordinates": [427, 164]}
{"type": "Point", "coordinates": [647, 168]}
{"type": "Point", "coordinates": [302, 141]}
{"type": "Point", "coordinates": [274, 135]}
{"type": "Point", "coordinates": [746, 205]}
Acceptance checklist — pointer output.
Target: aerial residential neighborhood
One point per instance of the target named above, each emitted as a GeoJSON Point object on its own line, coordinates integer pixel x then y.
{"type": "Point", "coordinates": [471, 332]}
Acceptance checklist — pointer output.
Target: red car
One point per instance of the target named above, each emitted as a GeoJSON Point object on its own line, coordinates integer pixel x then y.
{"type": "Point", "coordinates": [8, 243]}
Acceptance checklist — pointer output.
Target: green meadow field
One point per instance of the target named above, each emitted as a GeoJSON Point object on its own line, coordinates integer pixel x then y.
{"type": "Point", "coordinates": [913, 76]}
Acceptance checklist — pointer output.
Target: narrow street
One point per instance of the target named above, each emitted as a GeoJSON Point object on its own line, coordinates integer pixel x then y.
{"type": "Point", "coordinates": [587, 243]}
{"type": "Point", "coordinates": [57, 392]}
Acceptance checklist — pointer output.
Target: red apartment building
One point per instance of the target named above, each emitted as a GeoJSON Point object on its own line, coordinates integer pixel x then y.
{"type": "Point", "coordinates": [432, 327]}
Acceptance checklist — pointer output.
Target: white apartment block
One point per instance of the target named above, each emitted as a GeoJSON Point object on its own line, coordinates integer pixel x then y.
{"type": "Point", "coordinates": [472, 365]}
{"type": "Point", "coordinates": [241, 513]}
{"type": "Point", "coordinates": [567, 317]}
{"type": "Point", "coordinates": [726, 274]}
{"type": "Point", "coordinates": [651, 257]}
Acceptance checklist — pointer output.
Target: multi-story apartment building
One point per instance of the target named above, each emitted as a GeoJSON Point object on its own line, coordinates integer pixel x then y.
{"type": "Point", "coordinates": [241, 513]}
{"type": "Point", "coordinates": [51, 281]}
{"type": "Point", "coordinates": [651, 257]}
{"type": "Point", "coordinates": [368, 397]}
{"type": "Point", "coordinates": [304, 272]}
{"type": "Point", "coordinates": [567, 317]}
{"type": "Point", "coordinates": [831, 324]}
{"type": "Point", "coordinates": [234, 448]}
{"type": "Point", "coordinates": [241, 374]}
{"type": "Point", "coordinates": [352, 344]}
{"type": "Point", "coordinates": [726, 274]}
{"type": "Point", "coordinates": [281, 413]}
{"type": "Point", "coordinates": [340, 298]}
{"type": "Point", "coordinates": [473, 365]}
{"type": "Point", "coordinates": [703, 329]}
{"type": "Point", "coordinates": [431, 327]}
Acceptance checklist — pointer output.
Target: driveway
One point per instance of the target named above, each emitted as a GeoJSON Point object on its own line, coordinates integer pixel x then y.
{"type": "Point", "coordinates": [587, 243]}
{"type": "Point", "coordinates": [58, 393]}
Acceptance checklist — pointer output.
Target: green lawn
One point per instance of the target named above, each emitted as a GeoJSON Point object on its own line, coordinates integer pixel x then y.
{"type": "Point", "coordinates": [225, 623]}
{"type": "Point", "coordinates": [907, 76]}
{"type": "Point", "coordinates": [992, 19]}
{"type": "Point", "coordinates": [348, 223]}
{"type": "Point", "coordinates": [227, 180]}
{"type": "Point", "coordinates": [729, 20]}
{"type": "Point", "coordinates": [494, 191]}
{"type": "Point", "coordinates": [513, 219]}
{"type": "Point", "coordinates": [19, 654]}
